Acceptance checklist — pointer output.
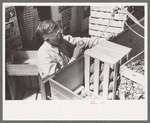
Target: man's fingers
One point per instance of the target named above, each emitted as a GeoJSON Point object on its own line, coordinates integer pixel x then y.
{"type": "Point", "coordinates": [81, 46]}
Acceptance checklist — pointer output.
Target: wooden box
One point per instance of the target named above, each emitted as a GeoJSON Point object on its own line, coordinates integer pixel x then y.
{"type": "Point", "coordinates": [101, 21]}
{"type": "Point", "coordinates": [133, 72]}
{"type": "Point", "coordinates": [108, 57]}
{"type": "Point", "coordinates": [22, 74]}
{"type": "Point", "coordinates": [22, 63]}
{"type": "Point", "coordinates": [72, 81]}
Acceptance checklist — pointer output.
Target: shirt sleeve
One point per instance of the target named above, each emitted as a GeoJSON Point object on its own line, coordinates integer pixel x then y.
{"type": "Point", "coordinates": [47, 64]}
{"type": "Point", "coordinates": [90, 42]}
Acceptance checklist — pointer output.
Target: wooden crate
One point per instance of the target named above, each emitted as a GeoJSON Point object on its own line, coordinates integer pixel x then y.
{"type": "Point", "coordinates": [132, 74]}
{"type": "Point", "coordinates": [62, 84]}
{"type": "Point", "coordinates": [132, 79]}
{"type": "Point", "coordinates": [100, 17]}
{"type": "Point", "coordinates": [22, 73]}
{"type": "Point", "coordinates": [70, 82]}
{"type": "Point", "coordinates": [129, 39]}
{"type": "Point", "coordinates": [110, 56]}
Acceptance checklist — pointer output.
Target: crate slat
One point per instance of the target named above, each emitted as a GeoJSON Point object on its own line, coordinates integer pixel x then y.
{"type": "Point", "coordinates": [87, 71]}
{"type": "Point", "coordinates": [105, 22]}
{"type": "Point", "coordinates": [34, 82]}
{"type": "Point", "coordinates": [96, 75]}
{"type": "Point", "coordinates": [27, 82]}
{"type": "Point", "coordinates": [25, 54]}
{"type": "Point", "coordinates": [116, 66]}
{"type": "Point", "coordinates": [106, 80]}
{"type": "Point", "coordinates": [103, 28]}
{"type": "Point", "coordinates": [22, 70]}
{"type": "Point", "coordinates": [106, 8]}
{"type": "Point", "coordinates": [79, 89]}
{"type": "Point", "coordinates": [98, 33]}
{"type": "Point", "coordinates": [108, 15]}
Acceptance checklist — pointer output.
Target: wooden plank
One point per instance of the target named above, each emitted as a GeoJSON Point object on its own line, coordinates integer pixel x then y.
{"type": "Point", "coordinates": [137, 48]}
{"type": "Point", "coordinates": [87, 71]}
{"type": "Point", "coordinates": [7, 90]}
{"type": "Point", "coordinates": [38, 81]}
{"type": "Point", "coordinates": [106, 8]}
{"type": "Point", "coordinates": [72, 82]}
{"type": "Point", "coordinates": [106, 22]}
{"type": "Point", "coordinates": [38, 96]}
{"type": "Point", "coordinates": [115, 47]}
{"type": "Point", "coordinates": [115, 79]}
{"type": "Point", "coordinates": [79, 89]}
{"type": "Point", "coordinates": [58, 96]}
{"type": "Point", "coordinates": [30, 95]}
{"type": "Point", "coordinates": [136, 77]}
{"type": "Point", "coordinates": [48, 90]}
{"type": "Point", "coordinates": [63, 90]}
{"type": "Point", "coordinates": [105, 54]}
{"type": "Point", "coordinates": [135, 39]}
{"type": "Point", "coordinates": [22, 70]}
{"type": "Point", "coordinates": [25, 54]}
{"type": "Point", "coordinates": [25, 61]}
{"type": "Point", "coordinates": [127, 35]}
{"type": "Point", "coordinates": [27, 82]}
{"type": "Point", "coordinates": [66, 76]}
{"type": "Point", "coordinates": [13, 87]}
{"type": "Point", "coordinates": [98, 33]}
{"type": "Point", "coordinates": [21, 83]}
{"type": "Point", "coordinates": [42, 90]}
{"type": "Point", "coordinates": [96, 76]}
{"type": "Point", "coordinates": [107, 15]}
{"type": "Point", "coordinates": [103, 28]}
{"type": "Point", "coordinates": [21, 86]}
{"type": "Point", "coordinates": [106, 80]}
{"type": "Point", "coordinates": [34, 82]}
{"type": "Point", "coordinates": [10, 58]}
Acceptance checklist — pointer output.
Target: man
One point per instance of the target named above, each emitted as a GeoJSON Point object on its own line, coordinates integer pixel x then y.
{"type": "Point", "coordinates": [58, 50]}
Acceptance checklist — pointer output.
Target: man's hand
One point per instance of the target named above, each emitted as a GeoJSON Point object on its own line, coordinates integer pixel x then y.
{"type": "Point", "coordinates": [111, 36]}
{"type": "Point", "coordinates": [78, 50]}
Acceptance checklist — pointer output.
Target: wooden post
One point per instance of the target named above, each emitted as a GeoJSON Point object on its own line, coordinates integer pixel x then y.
{"type": "Point", "coordinates": [115, 79]}
{"type": "Point", "coordinates": [106, 80]}
{"type": "Point", "coordinates": [87, 71]}
{"type": "Point", "coordinates": [96, 76]}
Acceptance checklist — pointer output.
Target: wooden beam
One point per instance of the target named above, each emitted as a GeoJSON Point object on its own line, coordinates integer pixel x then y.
{"type": "Point", "coordinates": [125, 38]}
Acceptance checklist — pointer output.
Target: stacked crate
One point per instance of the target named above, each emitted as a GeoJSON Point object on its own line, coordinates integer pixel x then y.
{"type": "Point", "coordinates": [22, 75]}
{"type": "Point", "coordinates": [12, 32]}
{"type": "Point", "coordinates": [132, 86]}
{"type": "Point", "coordinates": [102, 70]}
{"type": "Point", "coordinates": [28, 21]}
{"type": "Point", "coordinates": [101, 17]}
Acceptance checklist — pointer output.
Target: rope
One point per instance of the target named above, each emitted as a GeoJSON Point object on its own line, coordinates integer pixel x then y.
{"type": "Point", "coordinates": [132, 17]}
{"type": "Point", "coordinates": [109, 23]}
{"type": "Point", "coordinates": [132, 29]}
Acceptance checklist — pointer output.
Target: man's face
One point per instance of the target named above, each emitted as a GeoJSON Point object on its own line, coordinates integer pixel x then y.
{"type": "Point", "coordinates": [57, 38]}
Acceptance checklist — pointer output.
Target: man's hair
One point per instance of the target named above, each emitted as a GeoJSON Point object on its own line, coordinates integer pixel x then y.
{"type": "Point", "coordinates": [47, 28]}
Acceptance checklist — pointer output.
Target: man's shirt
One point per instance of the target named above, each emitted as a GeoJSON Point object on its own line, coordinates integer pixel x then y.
{"type": "Point", "coordinates": [50, 59]}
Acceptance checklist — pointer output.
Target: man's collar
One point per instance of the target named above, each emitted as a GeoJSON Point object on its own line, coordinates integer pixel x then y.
{"type": "Point", "coordinates": [49, 46]}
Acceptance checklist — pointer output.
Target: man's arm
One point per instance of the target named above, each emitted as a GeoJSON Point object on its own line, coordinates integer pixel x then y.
{"type": "Point", "coordinates": [47, 65]}
{"type": "Point", "coordinates": [90, 42]}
